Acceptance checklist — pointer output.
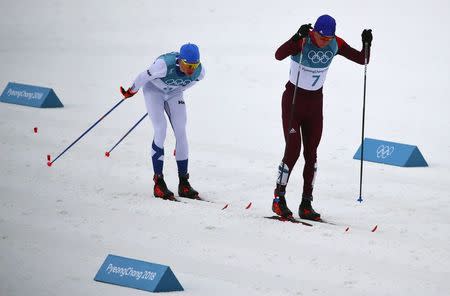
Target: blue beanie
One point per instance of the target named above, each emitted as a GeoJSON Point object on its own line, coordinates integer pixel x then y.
{"type": "Point", "coordinates": [325, 25]}
{"type": "Point", "coordinates": [190, 53]}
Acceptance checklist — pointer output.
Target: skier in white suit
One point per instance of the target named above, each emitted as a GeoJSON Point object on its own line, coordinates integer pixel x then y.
{"type": "Point", "coordinates": [163, 85]}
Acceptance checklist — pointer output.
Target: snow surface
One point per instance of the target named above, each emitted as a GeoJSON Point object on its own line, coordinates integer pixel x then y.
{"type": "Point", "coordinates": [58, 224]}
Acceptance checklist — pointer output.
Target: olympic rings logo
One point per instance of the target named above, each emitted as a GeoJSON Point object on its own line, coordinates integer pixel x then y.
{"type": "Point", "coordinates": [320, 56]}
{"type": "Point", "coordinates": [384, 151]}
{"type": "Point", "coordinates": [178, 82]}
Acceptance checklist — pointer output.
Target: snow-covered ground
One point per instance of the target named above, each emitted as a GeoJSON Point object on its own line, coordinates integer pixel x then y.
{"type": "Point", "coordinates": [58, 224]}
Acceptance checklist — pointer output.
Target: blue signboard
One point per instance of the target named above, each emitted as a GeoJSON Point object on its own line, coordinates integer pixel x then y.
{"type": "Point", "coordinates": [29, 95]}
{"type": "Point", "coordinates": [137, 274]}
{"type": "Point", "coordinates": [391, 153]}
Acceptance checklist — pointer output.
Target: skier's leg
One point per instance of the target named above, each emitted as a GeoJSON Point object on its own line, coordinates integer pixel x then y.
{"type": "Point", "coordinates": [155, 107]}
{"type": "Point", "coordinates": [291, 130]}
{"type": "Point", "coordinates": [292, 151]}
{"type": "Point", "coordinates": [312, 134]}
{"type": "Point", "coordinates": [176, 110]}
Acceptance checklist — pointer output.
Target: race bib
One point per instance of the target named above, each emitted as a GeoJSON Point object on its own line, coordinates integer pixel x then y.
{"type": "Point", "coordinates": [309, 78]}
{"type": "Point", "coordinates": [314, 66]}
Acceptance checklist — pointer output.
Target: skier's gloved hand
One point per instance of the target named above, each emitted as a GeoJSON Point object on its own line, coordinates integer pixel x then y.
{"type": "Point", "coordinates": [127, 93]}
{"type": "Point", "coordinates": [302, 32]}
{"type": "Point", "coordinates": [367, 37]}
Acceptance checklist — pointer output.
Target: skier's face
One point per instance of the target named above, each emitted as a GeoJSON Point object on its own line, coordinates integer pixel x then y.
{"type": "Point", "coordinates": [188, 68]}
{"type": "Point", "coordinates": [322, 41]}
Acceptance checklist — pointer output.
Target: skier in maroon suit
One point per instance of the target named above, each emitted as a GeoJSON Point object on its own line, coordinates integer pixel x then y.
{"type": "Point", "coordinates": [312, 52]}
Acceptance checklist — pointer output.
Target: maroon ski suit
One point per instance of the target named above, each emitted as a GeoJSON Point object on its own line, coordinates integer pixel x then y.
{"type": "Point", "coordinates": [307, 120]}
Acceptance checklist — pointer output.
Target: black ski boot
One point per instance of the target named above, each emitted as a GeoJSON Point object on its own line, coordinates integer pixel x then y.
{"type": "Point", "coordinates": [160, 189]}
{"type": "Point", "coordinates": [306, 211]}
{"type": "Point", "coordinates": [185, 189]}
{"type": "Point", "coordinates": [279, 205]}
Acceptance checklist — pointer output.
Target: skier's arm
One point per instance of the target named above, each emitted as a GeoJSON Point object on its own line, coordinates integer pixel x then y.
{"type": "Point", "coordinates": [157, 70]}
{"type": "Point", "coordinates": [288, 48]}
{"type": "Point", "coordinates": [351, 53]}
{"type": "Point", "coordinates": [294, 45]}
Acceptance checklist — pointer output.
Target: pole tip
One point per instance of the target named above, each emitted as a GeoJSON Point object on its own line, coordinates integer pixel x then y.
{"type": "Point", "coordinates": [360, 199]}
{"type": "Point", "coordinates": [49, 163]}
{"type": "Point", "coordinates": [107, 154]}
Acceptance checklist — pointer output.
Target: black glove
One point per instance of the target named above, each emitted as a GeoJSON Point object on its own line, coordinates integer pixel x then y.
{"type": "Point", "coordinates": [367, 37]}
{"type": "Point", "coordinates": [302, 32]}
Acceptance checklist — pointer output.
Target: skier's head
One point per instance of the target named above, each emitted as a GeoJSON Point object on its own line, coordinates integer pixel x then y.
{"type": "Point", "coordinates": [189, 58]}
{"type": "Point", "coordinates": [325, 26]}
{"type": "Point", "coordinates": [324, 30]}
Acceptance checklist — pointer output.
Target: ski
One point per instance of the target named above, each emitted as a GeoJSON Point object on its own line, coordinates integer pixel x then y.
{"type": "Point", "coordinates": [291, 219]}
{"type": "Point", "coordinates": [184, 199]}
{"type": "Point", "coordinates": [323, 221]}
{"type": "Point", "coordinates": [173, 198]}
{"type": "Point", "coordinates": [196, 198]}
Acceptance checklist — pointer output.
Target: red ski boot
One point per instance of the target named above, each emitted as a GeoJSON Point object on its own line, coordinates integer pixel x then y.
{"type": "Point", "coordinates": [279, 205]}
{"type": "Point", "coordinates": [306, 211]}
{"type": "Point", "coordinates": [185, 189]}
{"type": "Point", "coordinates": [160, 189]}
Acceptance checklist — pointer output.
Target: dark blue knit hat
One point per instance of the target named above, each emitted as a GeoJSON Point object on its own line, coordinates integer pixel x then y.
{"type": "Point", "coordinates": [325, 25]}
{"type": "Point", "coordinates": [190, 53]}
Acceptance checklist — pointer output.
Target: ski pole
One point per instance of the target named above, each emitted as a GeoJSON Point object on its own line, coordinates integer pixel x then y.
{"type": "Point", "coordinates": [136, 124]}
{"type": "Point", "coordinates": [366, 49]}
{"type": "Point", "coordinates": [82, 135]}
{"type": "Point", "coordinates": [291, 116]}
